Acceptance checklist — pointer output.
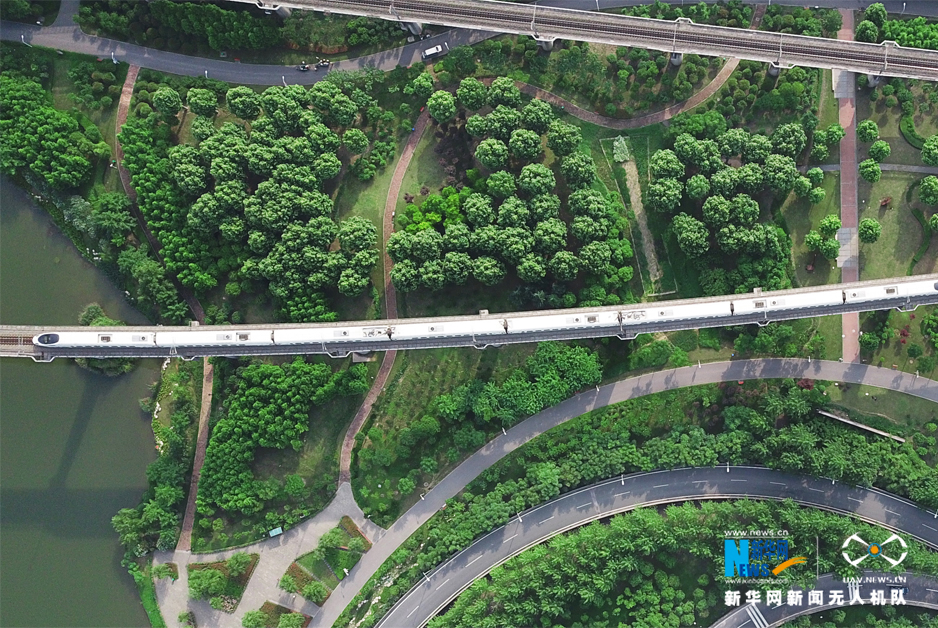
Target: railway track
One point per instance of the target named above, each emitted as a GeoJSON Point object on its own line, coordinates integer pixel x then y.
{"type": "Point", "coordinates": [683, 36]}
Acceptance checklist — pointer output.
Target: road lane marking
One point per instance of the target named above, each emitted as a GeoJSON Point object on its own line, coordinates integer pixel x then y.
{"type": "Point", "coordinates": [893, 512]}
{"type": "Point", "coordinates": [546, 520]}
{"type": "Point", "coordinates": [777, 483]}
{"type": "Point", "coordinates": [737, 480]}
{"type": "Point", "coordinates": [932, 590]}
{"type": "Point", "coordinates": [509, 538]}
{"type": "Point", "coordinates": [473, 560]}
{"type": "Point", "coordinates": [413, 611]}
{"type": "Point", "coordinates": [659, 485]}
{"type": "Point", "coordinates": [854, 499]}
{"type": "Point", "coordinates": [620, 494]}
{"type": "Point", "coordinates": [816, 489]}
{"type": "Point", "coordinates": [444, 582]}
{"type": "Point", "coordinates": [929, 527]}
{"type": "Point", "coordinates": [584, 505]}
{"type": "Point", "coordinates": [700, 481]}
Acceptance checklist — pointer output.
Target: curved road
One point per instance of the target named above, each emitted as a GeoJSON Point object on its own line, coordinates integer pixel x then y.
{"type": "Point", "coordinates": [617, 495]}
{"type": "Point", "coordinates": [923, 592]}
{"type": "Point", "coordinates": [631, 388]}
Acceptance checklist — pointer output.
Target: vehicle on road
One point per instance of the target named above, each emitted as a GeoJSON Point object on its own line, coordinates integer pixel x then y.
{"type": "Point", "coordinates": [303, 67]}
{"type": "Point", "coordinates": [436, 51]}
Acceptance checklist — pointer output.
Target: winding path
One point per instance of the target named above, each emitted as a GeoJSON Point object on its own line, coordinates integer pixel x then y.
{"type": "Point", "coordinates": [577, 508]}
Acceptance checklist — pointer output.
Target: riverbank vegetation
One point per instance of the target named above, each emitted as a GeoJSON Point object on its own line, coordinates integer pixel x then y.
{"type": "Point", "coordinates": [764, 422]}
{"type": "Point", "coordinates": [582, 576]}
{"type": "Point", "coordinates": [266, 408]}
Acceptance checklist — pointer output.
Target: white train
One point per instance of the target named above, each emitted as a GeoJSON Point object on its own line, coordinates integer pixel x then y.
{"type": "Point", "coordinates": [486, 330]}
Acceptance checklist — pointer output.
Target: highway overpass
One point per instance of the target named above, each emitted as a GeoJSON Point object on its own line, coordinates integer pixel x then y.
{"type": "Point", "coordinates": [341, 338]}
{"type": "Point", "coordinates": [547, 24]}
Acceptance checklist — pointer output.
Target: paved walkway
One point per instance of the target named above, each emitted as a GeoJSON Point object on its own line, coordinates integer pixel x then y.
{"type": "Point", "coordinates": [849, 261]}
{"type": "Point", "coordinates": [276, 556]}
{"type": "Point", "coordinates": [629, 388]}
{"type": "Point", "coordinates": [185, 535]}
{"type": "Point", "coordinates": [390, 298]}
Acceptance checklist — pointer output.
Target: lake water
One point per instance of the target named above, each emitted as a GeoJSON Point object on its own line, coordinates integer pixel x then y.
{"type": "Point", "coordinates": [74, 445]}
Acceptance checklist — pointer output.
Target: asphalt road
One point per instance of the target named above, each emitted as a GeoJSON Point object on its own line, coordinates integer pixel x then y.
{"type": "Point", "coordinates": [660, 487]}
{"type": "Point", "coordinates": [64, 35]}
{"type": "Point", "coordinates": [922, 592]}
{"type": "Point", "coordinates": [631, 388]}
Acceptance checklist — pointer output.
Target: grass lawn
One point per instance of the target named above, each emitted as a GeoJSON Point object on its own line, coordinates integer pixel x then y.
{"type": "Point", "coordinates": [832, 328]}
{"type": "Point", "coordinates": [829, 112]}
{"type": "Point", "coordinates": [417, 379]}
{"type": "Point", "coordinates": [894, 352]}
{"type": "Point", "coordinates": [888, 120]}
{"type": "Point", "coordinates": [320, 569]}
{"type": "Point", "coordinates": [273, 613]}
{"type": "Point", "coordinates": [234, 586]}
{"type": "Point", "coordinates": [892, 255]}
{"type": "Point", "coordinates": [801, 216]}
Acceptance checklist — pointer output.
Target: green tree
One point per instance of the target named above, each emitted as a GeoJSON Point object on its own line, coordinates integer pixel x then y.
{"type": "Point", "coordinates": [665, 164]}
{"type": "Point", "coordinates": [870, 170]}
{"type": "Point", "coordinates": [536, 179]}
{"type": "Point", "coordinates": [829, 225]}
{"type": "Point", "coordinates": [869, 230]}
{"type": "Point", "coordinates": [564, 265]}
{"type": "Point", "coordinates": [579, 170]}
{"type": "Point", "coordinates": [716, 211]}
{"type": "Point", "coordinates": [472, 93]}
{"type": "Point", "coordinates": [663, 195]}
{"type": "Point", "coordinates": [202, 102]}
{"type": "Point", "coordinates": [868, 131]}
{"type": "Point", "coordinates": [488, 270]}
{"type": "Point", "coordinates": [870, 341]}
{"type": "Point", "coordinates": [532, 268]}
{"type": "Point", "coordinates": [243, 102]}
{"type": "Point", "coordinates": [477, 126]}
{"type": "Point", "coordinates": [254, 619]}
{"type": "Point", "coordinates": [698, 187]}
{"type": "Point", "coordinates": [867, 31]}
{"type": "Point", "coordinates": [237, 564]}
{"type": "Point", "coordinates": [692, 235]}
{"type": "Point", "coordinates": [816, 195]}
{"type": "Point", "coordinates": [930, 151]}
{"type": "Point", "coordinates": [355, 141]}
{"type": "Point", "coordinates": [503, 91]}
{"type": "Point", "coordinates": [492, 153]}
{"type": "Point", "coordinates": [206, 583]}
{"type": "Point", "coordinates": [357, 234]}
{"type": "Point", "coordinates": [288, 583]}
{"type": "Point", "coordinates": [813, 240]}
{"type": "Point", "coordinates": [928, 190]}
{"type": "Point", "coordinates": [442, 106]}
{"type": "Point", "coordinates": [537, 116]}
{"type": "Point", "coordinates": [524, 144]}
{"type": "Point", "coordinates": [563, 138]}
{"type": "Point", "coordinates": [291, 620]}
{"type": "Point", "coordinates": [830, 248]}
{"type": "Point", "coordinates": [422, 86]}
{"type": "Point", "coordinates": [744, 210]}
{"type": "Point", "coordinates": [456, 267]}
{"type": "Point", "coordinates": [316, 592]}
{"type": "Point", "coordinates": [789, 139]}
{"type": "Point", "coordinates": [166, 100]}
{"type": "Point", "coordinates": [780, 173]}
{"type": "Point", "coordinates": [501, 184]}
{"type": "Point", "coordinates": [876, 13]}
{"type": "Point", "coordinates": [879, 151]}
{"type": "Point", "coordinates": [406, 486]}
{"type": "Point", "coordinates": [815, 176]}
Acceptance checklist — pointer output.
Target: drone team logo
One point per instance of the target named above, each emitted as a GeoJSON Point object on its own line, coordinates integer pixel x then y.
{"type": "Point", "coordinates": [874, 549]}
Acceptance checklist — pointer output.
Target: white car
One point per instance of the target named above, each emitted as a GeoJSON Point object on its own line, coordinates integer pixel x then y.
{"type": "Point", "coordinates": [436, 51]}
